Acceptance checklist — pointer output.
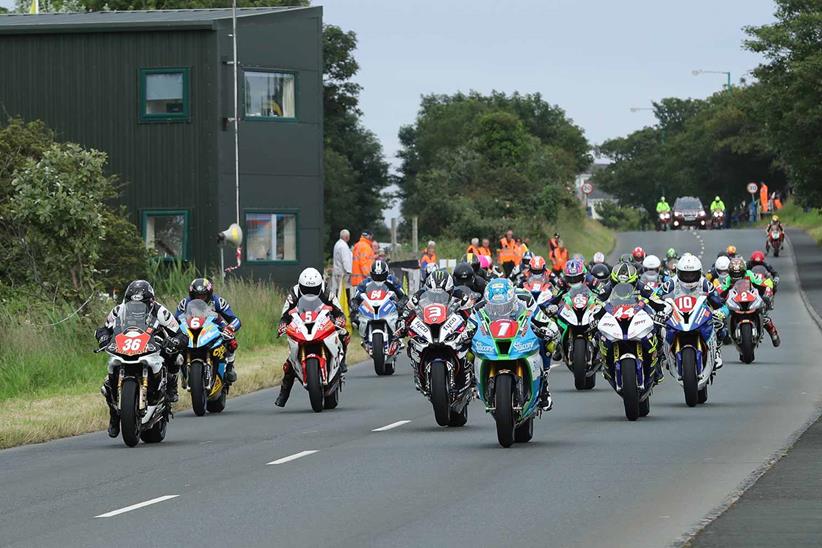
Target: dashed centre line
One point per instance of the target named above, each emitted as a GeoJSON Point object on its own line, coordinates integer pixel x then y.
{"type": "Point", "coordinates": [295, 456]}
{"type": "Point", "coordinates": [390, 426]}
{"type": "Point", "coordinates": [136, 506]}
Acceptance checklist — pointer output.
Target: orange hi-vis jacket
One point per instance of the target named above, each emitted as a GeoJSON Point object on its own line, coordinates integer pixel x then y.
{"type": "Point", "coordinates": [559, 257]}
{"type": "Point", "coordinates": [483, 251]}
{"type": "Point", "coordinates": [473, 250]}
{"type": "Point", "coordinates": [507, 251]}
{"type": "Point", "coordinates": [363, 254]}
{"type": "Point", "coordinates": [427, 259]}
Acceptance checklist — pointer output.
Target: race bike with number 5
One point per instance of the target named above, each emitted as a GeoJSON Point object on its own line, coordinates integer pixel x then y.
{"type": "Point", "coordinates": [135, 355]}
{"type": "Point", "coordinates": [690, 345]}
{"type": "Point", "coordinates": [378, 323]}
{"type": "Point", "coordinates": [628, 346]}
{"type": "Point", "coordinates": [575, 319]}
{"type": "Point", "coordinates": [315, 352]}
{"type": "Point", "coordinates": [509, 374]}
{"type": "Point", "coordinates": [747, 307]}
{"type": "Point", "coordinates": [204, 366]}
{"type": "Point", "coordinates": [438, 356]}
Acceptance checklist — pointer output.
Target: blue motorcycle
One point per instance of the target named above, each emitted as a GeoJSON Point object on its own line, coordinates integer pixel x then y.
{"type": "Point", "coordinates": [690, 345]}
{"type": "Point", "coordinates": [204, 365]}
{"type": "Point", "coordinates": [378, 316]}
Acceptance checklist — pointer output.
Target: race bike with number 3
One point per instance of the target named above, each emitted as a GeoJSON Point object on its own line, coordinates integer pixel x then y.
{"type": "Point", "coordinates": [438, 356]}
{"type": "Point", "coordinates": [746, 307]}
{"type": "Point", "coordinates": [509, 374]}
{"type": "Point", "coordinates": [135, 354]}
{"type": "Point", "coordinates": [378, 323]}
{"type": "Point", "coordinates": [315, 352]}
{"type": "Point", "coordinates": [628, 346]}
{"type": "Point", "coordinates": [204, 366]}
{"type": "Point", "coordinates": [690, 345]}
{"type": "Point", "coordinates": [575, 319]}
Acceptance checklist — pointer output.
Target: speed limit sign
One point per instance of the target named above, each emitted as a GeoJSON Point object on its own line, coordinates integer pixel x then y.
{"type": "Point", "coordinates": [587, 187]}
{"type": "Point", "coordinates": [752, 188]}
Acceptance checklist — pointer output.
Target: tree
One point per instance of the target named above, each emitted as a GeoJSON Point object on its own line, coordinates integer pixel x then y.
{"type": "Point", "coordinates": [791, 90]}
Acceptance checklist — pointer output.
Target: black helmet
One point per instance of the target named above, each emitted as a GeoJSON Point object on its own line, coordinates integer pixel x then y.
{"type": "Point", "coordinates": [440, 279]}
{"type": "Point", "coordinates": [475, 263]}
{"type": "Point", "coordinates": [601, 272]}
{"type": "Point", "coordinates": [201, 288]}
{"type": "Point", "coordinates": [379, 270]}
{"type": "Point", "coordinates": [463, 274]}
{"type": "Point", "coordinates": [737, 268]}
{"type": "Point", "coordinates": [139, 291]}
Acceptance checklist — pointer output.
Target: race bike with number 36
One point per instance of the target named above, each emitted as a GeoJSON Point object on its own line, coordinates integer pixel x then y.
{"type": "Point", "coordinates": [204, 365]}
{"type": "Point", "coordinates": [378, 323]}
{"type": "Point", "coordinates": [135, 354]}
{"type": "Point", "coordinates": [438, 357]}
{"type": "Point", "coordinates": [690, 345]}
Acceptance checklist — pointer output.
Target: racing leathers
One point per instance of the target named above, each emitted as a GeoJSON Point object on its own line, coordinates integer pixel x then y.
{"type": "Point", "coordinates": [175, 340]}
{"type": "Point", "coordinates": [229, 325]}
{"type": "Point", "coordinates": [338, 317]}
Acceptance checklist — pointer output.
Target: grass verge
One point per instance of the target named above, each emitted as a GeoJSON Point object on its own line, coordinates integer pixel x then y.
{"type": "Point", "coordinates": [795, 216]}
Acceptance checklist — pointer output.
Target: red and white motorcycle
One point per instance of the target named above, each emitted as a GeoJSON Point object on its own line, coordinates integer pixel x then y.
{"type": "Point", "coordinates": [316, 352]}
{"type": "Point", "coordinates": [774, 241]}
{"type": "Point", "coordinates": [746, 306]}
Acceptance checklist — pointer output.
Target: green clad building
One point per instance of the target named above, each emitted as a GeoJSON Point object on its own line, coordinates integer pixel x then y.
{"type": "Point", "coordinates": [154, 90]}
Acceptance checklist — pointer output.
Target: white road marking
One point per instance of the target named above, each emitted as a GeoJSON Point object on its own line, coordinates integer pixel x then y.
{"type": "Point", "coordinates": [295, 456]}
{"type": "Point", "coordinates": [136, 506]}
{"type": "Point", "coordinates": [390, 426]}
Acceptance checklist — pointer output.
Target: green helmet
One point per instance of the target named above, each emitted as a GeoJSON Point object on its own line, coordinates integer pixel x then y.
{"type": "Point", "coordinates": [671, 254]}
{"type": "Point", "coordinates": [626, 258]}
{"type": "Point", "coordinates": [624, 273]}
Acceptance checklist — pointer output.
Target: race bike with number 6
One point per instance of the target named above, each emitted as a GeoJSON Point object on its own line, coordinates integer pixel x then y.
{"type": "Point", "coordinates": [204, 366]}
{"type": "Point", "coordinates": [378, 323]}
{"type": "Point", "coordinates": [690, 345]}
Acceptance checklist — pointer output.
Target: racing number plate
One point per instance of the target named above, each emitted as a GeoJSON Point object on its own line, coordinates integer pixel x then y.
{"type": "Point", "coordinates": [377, 294]}
{"type": "Point", "coordinates": [503, 329]}
{"type": "Point", "coordinates": [580, 301]}
{"type": "Point", "coordinates": [434, 314]}
{"type": "Point", "coordinates": [685, 303]}
{"type": "Point", "coordinates": [131, 343]}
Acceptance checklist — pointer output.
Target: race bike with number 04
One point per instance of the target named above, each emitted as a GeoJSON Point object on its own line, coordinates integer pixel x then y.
{"type": "Point", "coordinates": [378, 322]}
{"type": "Point", "coordinates": [135, 354]}
{"type": "Point", "coordinates": [746, 306]}
{"type": "Point", "coordinates": [575, 319]}
{"type": "Point", "coordinates": [690, 345]}
{"type": "Point", "coordinates": [509, 371]}
{"type": "Point", "coordinates": [628, 346]}
{"type": "Point", "coordinates": [438, 357]}
{"type": "Point", "coordinates": [315, 352]}
{"type": "Point", "coordinates": [204, 367]}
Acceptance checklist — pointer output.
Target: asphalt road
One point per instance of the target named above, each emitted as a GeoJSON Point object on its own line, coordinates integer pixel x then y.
{"type": "Point", "coordinates": [588, 478]}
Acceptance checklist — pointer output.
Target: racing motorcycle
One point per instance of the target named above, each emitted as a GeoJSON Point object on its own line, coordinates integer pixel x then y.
{"type": "Point", "coordinates": [717, 220]}
{"type": "Point", "coordinates": [628, 348]}
{"type": "Point", "coordinates": [690, 345]}
{"type": "Point", "coordinates": [438, 357]}
{"type": "Point", "coordinates": [575, 319]}
{"type": "Point", "coordinates": [746, 306]}
{"type": "Point", "coordinates": [774, 241]}
{"type": "Point", "coordinates": [204, 367]}
{"type": "Point", "coordinates": [663, 221]}
{"type": "Point", "coordinates": [510, 372]}
{"type": "Point", "coordinates": [378, 323]}
{"type": "Point", "coordinates": [315, 352]}
{"type": "Point", "coordinates": [135, 352]}
{"type": "Point", "coordinates": [540, 287]}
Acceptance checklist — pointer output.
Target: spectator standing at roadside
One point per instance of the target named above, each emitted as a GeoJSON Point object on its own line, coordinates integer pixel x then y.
{"type": "Point", "coordinates": [485, 248]}
{"type": "Point", "coordinates": [363, 258]}
{"type": "Point", "coordinates": [507, 252]}
{"type": "Point", "coordinates": [474, 248]}
{"type": "Point", "coordinates": [763, 197]}
{"type": "Point", "coordinates": [342, 264]}
{"type": "Point", "coordinates": [553, 243]}
{"type": "Point", "coordinates": [429, 256]}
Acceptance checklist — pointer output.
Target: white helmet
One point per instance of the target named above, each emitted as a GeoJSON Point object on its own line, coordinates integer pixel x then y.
{"type": "Point", "coordinates": [722, 264]}
{"type": "Point", "coordinates": [599, 257]}
{"type": "Point", "coordinates": [689, 271]}
{"type": "Point", "coordinates": [651, 262]}
{"type": "Point", "coordinates": [311, 282]}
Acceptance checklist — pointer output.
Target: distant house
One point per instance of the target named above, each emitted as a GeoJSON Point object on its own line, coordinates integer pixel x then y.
{"type": "Point", "coordinates": [154, 90]}
{"type": "Point", "coordinates": [595, 198]}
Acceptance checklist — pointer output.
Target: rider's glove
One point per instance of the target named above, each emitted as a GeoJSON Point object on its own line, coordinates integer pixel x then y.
{"type": "Point", "coordinates": [228, 333]}
{"type": "Point", "coordinates": [551, 309]}
{"type": "Point", "coordinates": [661, 318]}
{"type": "Point", "coordinates": [103, 336]}
{"type": "Point", "coordinates": [281, 329]}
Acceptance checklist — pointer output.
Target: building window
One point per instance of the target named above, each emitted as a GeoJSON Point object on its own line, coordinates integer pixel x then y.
{"type": "Point", "coordinates": [164, 94]}
{"type": "Point", "coordinates": [166, 233]}
{"type": "Point", "coordinates": [271, 237]}
{"type": "Point", "coordinates": [270, 95]}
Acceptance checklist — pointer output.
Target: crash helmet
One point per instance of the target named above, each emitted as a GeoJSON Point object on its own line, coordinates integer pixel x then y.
{"type": "Point", "coordinates": [638, 254]}
{"type": "Point", "coordinates": [526, 257]}
{"type": "Point", "coordinates": [139, 291]}
{"type": "Point", "coordinates": [201, 288]}
{"type": "Point", "coordinates": [500, 297]}
{"type": "Point", "coordinates": [671, 253]}
{"type": "Point", "coordinates": [626, 258]}
{"type": "Point", "coordinates": [689, 271]}
{"type": "Point", "coordinates": [573, 272]}
{"type": "Point", "coordinates": [624, 273]}
{"type": "Point", "coordinates": [463, 274]}
{"type": "Point", "coordinates": [731, 250]}
{"type": "Point", "coordinates": [775, 219]}
{"type": "Point", "coordinates": [379, 270]}
{"type": "Point", "coordinates": [485, 262]}
{"type": "Point", "coordinates": [537, 265]}
{"type": "Point", "coordinates": [600, 271]}
{"type": "Point", "coordinates": [757, 257]}
{"type": "Point", "coordinates": [311, 282]}
{"type": "Point", "coordinates": [474, 261]}
{"type": "Point", "coordinates": [651, 263]}
{"type": "Point", "coordinates": [440, 279]}
{"type": "Point", "coordinates": [737, 268]}
{"type": "Point", "coordinates": [598, 258]}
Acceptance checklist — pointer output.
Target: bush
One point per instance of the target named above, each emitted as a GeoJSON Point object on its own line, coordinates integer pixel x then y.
{"type": "Point", "coordinates": [619, 217]}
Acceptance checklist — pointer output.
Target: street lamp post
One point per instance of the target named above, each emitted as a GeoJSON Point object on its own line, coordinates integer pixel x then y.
{"type": "Point", "coordinates": [697, 72]}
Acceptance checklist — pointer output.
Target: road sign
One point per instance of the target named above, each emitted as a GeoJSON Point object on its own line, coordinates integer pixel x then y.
{"type": "Point", "coordinates": [587, 188]}
{"type": "Point", "coordinates": [752, 188]}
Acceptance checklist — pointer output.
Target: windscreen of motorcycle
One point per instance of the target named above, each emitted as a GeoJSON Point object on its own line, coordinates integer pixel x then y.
{"type": "Point", "coordinates": [134, 315]}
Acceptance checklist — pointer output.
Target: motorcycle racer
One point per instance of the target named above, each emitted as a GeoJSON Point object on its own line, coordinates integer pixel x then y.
{"type": "Point", "coordinates": [758, 259]}
{"type": "Point", "coordinates": [140, 291]}
{"type": "Point", "coordinates": [379, 273]}
{"type": "Point", "coordinates": [737, 271]}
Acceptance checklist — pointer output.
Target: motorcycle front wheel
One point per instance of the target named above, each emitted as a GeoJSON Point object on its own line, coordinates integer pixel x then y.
{"type": "Point", "coordinates": [630, 391]}
{"type": "Point", "coordinates": [746, 345]}
{"type": "Point", "coordinates": [378, 353]}
{"type": "Point", "coordinates": [315, 385]}
{"type": "Point", "coordinates": [129, 412]}
{"type": "Point", "coordinates": [504, 409]}
{"type": "Point", "coordinates": [197, 386]}
{"type": "Point", "coordinates": [690, 384]}
{"type": "Point", "coordinates": [439, 393]}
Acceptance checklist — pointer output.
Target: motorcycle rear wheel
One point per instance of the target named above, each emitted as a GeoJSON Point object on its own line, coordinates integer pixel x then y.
{"type": "Point", "coordinates": [525, 431]}
{"type": "Point", "coordinates": [315, 385]}
{"type": "Point", "coordinates": [458, 419]}
{"type": "Point", "coordinates": [217, 405]}
{"type": "Point", "coordinates": [197, 385]}
{"type": "Point", "coordinates": [703, 395]}
{"type": "Point", "coordinates": [645, 407]}
{"type": "Point", "coordinates": [630, 391]}
{"type": "Point", "coordinates": [156, 433]}
{"type": "Point", "coordinates": [439, 393]}
{"type": "Point", "coordinates": [129, 413]}
{"type": "Point", "coordinates": [746, 345]}
{"type": "Point", "coordinates": [378, 353]}
{"type": "Point", "coordinates": [690, 384]}
{"type": "Point", "coordinates": [504, 412]}
{"type": "Point", "coordinates": [332, 400]}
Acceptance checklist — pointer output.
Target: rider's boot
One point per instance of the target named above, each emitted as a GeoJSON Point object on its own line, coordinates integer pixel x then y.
{"type": "Point", "coordinates": [230, 374]}
{"type": "Point", "coordinates": [171, 388]}
{"type": "Point", "coordinates": [545, 400]}
{"type": "Point", "coordinates": [771, 329]}
{"type": "Point", "coordinates": [285, 387]}
{"type": "Point", "coordinates": [346, 338]}
{"type": "Point", "coordinates": [113, 417]}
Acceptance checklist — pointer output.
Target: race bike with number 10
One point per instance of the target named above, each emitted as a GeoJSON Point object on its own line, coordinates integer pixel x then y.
{"type": "Point", "coordinates": [204, 367]}
{"type": "Point", "coordinates": [690, 345]}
